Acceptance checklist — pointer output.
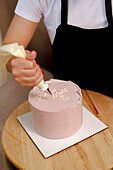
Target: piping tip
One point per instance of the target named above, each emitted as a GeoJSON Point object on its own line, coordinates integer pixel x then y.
{"type": "Point", "coordinates": [49, 91]}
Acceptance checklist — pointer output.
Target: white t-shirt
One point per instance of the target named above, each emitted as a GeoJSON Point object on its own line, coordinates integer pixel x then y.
{"type": "Point", "coordinates": [83, 13]}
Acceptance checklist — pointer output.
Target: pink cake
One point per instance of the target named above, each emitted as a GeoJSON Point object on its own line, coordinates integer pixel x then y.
{"type": "Point", "coordinates": [58, 115]}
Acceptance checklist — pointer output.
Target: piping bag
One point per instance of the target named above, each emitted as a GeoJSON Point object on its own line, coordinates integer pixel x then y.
{"type": "Point", "coordinates": [6, 53]}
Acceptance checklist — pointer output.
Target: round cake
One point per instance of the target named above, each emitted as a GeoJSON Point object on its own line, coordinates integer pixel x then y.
{"type": "Point", "coordinates": [59, 115]}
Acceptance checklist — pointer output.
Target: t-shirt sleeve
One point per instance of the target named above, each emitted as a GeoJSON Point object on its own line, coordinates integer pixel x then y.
{"type": "Point", "coordinates": [29, 9]}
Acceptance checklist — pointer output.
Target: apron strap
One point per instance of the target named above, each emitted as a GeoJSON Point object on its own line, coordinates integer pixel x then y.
{"type": "Point", "coordinates": [64, 12]}
{"type": "Point", "coordinates": [108, 5]}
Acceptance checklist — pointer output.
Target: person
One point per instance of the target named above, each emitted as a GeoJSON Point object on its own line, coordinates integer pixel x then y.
{"type": "Point", "coordinates": [81, 35]}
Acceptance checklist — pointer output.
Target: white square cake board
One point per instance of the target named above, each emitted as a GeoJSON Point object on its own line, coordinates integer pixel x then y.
{"type": "Point", "coordinates": [48, 147]}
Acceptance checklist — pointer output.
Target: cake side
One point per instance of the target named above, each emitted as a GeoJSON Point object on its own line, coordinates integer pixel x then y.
{"type": "Point", "coordinates": [58, 125]}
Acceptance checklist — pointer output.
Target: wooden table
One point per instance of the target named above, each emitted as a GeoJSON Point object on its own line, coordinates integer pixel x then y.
{"type": "Point", "coordinates": [94, 153]}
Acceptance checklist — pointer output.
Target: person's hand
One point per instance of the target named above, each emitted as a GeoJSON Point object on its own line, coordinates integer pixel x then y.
{"type": "Point", "coordinates": [26, 71]}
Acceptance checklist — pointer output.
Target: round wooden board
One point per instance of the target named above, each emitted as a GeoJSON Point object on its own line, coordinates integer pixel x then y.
{"type": "Point", "coordinates": [93, 153]}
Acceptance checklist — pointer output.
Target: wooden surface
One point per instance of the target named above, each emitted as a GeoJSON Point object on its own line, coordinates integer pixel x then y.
{"type": "Point", "coordinates": [94, 153]}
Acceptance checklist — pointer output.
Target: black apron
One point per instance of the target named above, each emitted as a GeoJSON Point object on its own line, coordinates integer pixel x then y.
{"type": "Point", "coordinates": [84, 56]}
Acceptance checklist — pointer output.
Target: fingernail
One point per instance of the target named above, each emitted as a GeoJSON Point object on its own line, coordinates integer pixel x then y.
{"type": "Point", "coordinates": [33, 53]}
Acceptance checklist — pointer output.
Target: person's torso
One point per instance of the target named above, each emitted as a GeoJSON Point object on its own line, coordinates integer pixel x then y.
{"type": "Point", "coordinates": [84, 55]}
{"type": "Point", "coordinates": [89, 14]}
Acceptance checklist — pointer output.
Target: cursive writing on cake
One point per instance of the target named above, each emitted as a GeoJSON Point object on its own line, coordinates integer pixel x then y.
{"type": "Point", "coordinates": [61, 94]}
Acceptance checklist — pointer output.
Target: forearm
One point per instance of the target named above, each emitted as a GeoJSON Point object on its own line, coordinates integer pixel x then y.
{"type": "Point", "coordinates": [20, 31]}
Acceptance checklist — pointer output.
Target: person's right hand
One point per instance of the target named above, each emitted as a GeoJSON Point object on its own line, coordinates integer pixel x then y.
{"type": "Point", "coordinates": [26, 71]}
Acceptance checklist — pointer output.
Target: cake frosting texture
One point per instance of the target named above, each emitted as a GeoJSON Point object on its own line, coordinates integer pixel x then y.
{"type": "Point", "coordinates": [58, 115]}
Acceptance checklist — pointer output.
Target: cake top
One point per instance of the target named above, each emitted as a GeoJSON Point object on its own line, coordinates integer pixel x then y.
{"type": "Point", "coordinates": [65, 94]}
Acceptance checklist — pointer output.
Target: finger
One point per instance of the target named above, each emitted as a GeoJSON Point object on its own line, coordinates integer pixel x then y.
{"type": "Point", "coordinates": [27, 52]}
{"type": "Point", "coordinates": [24, 72]}
{"type": "Point", "coordinates": [27, 84]}
{"type": "Point", "coordinates": [31, 72]}
{"type": "Point", "coordinates": [31, 55]}
{"type": "Point", "coordinates": [20, 63]}
{"type": "Point", "coordinates": [24, 84]}
{"type": "Point", "coordinates": [33, 79]}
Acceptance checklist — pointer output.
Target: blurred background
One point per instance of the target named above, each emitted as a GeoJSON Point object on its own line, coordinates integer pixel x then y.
{"type": "Point", "coordinates": [11, 94]}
